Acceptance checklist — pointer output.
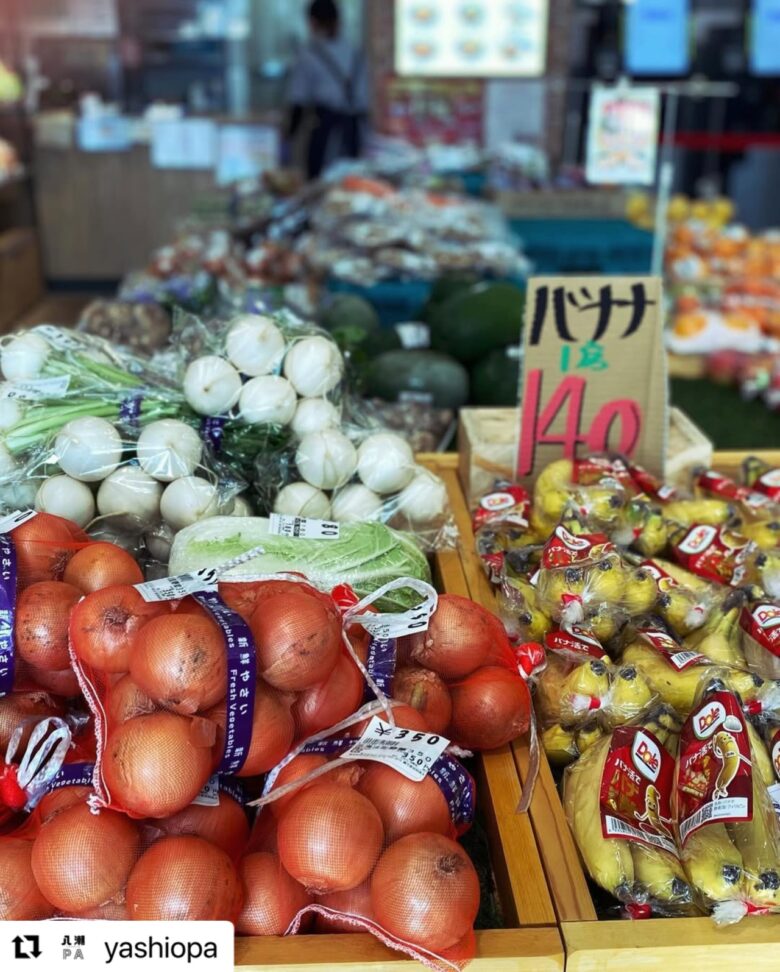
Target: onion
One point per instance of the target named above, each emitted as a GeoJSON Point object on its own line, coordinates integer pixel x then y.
{"type": "Point", "coordinates": [325, 704]}
{"type": "Point", "coordinates": [424, 499]}
{"type": "Point", "coordinates": [263, 836]}
{"type": "Point", "coordinates": [385, 462]}
{"type": "Point", "coordinates": [180, 662]}
{"type": "Point", "coordinates": [101, 565]}
{"type": "Point", "coordinates": [44, 545]}
{"type": "Point", "coordinates": [63, 683]}
{"type": "Point", "coordinates": [269, 400]}
{"type": "Point", "coordinates": [425, 891]}
{"type": "Point", "coordinates": [11, 412]}
{"type": "Point", "coordinates": [489, 709]}
{"type": "Point", "coordinates": [184, 879]}
{"type": "Point", "coordinates": [64, 496]}
{"type": "Point", "coordinates": [356, 901]}
{"type": "Point", "coordinates": [8, 464]}
{"type": "Point", "coordinates": [158, 543]}
{"type": "Point", "coordinates": [61, 799]}
{"type": "Point", "coordinates": [255, 345]}
{"type": "Point", "coordinates": [211, 385]}
{"type": "Point", "coordinates": [272, 731]}
{"type": "Point", "coordinates": [187, 500]}
{"type": "Point", "coordinates": [301, 499]}
{"type": "Point", "coordinates": [225, 826]}
{"type": "Point", "coordinates": [242, 507]}
{"type": "Point", "coordinates": [405, 806]}
{"type": "Point", "coordinates": [458, 640]}
{"type": "Point", "coordinates": [425, 691]}
{"type": "Point", "coordinates": [88, 449]}
{"type": "Point", "coordinates": [81, 860]}
{"type": "Point", "coordinates": [326, 459]}
{"type": "Point", "coordinates": [155, 765]}
{"type": "Point", "coordinates": [314, 366]}
{"type": "Point", "coordinates": [356, 503]}
{"type": "Point", "coordinates": [24, 707]}
{"type": "Point", "coordinates": [272, 898]}
{"type": "Point", "coordinates": [169, 449]}
{"type": "Point", "coordinates": [131, 496]}
{"type": "Point", "coordinates": [104, 623]}
{"type": "Point", "coordinates": [126, 700]}
{"type": "Point", "coordinates": [297, 639]}
{"type": "Point", "coordinates": [20, 898]}
{"type": "Point", "coordinates": [405, 717]}
{"type": "Point", "coordinates": [24, 356]}
{"type": "Point", "coordinates": [112, 911]}
{"type": "Point", "coordinates": [297, 768]}
{"type": "Point", "coordinates": [315, 415]}
{"type": "Point", "coordinates": [41, 629]}
{"type": "Point", "coordinates": [330, 837]}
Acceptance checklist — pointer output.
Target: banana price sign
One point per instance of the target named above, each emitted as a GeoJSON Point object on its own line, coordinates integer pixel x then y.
{"type": "Point", "coordinates": [594, 372]}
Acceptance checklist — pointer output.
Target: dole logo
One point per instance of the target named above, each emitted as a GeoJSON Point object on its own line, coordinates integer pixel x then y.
{"type": "Point", "coordinates": [776, 758]}
{"type": "Point", "coordinates": [572, 542]}
{"type": "Point", "coordinates": [498, 501]}
{"type": "Point", "coordinates": [767, 615]}
{"type": "Point", "coordinates": [646, 756]}
{"type": "Point", "coordinates": [707, 720]}
{"type": "Point", "coordinates": [698, 539]}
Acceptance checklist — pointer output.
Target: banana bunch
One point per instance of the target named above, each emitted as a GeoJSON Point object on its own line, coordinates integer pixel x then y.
{"type": "Point", "coordinates": [528, 622]}
{"type": "Point", "coordinates": [720, 638]}
{"type": "Point", "coordinates": [556, 495]}
{"type": "Point", "coordinates": [709, 511]}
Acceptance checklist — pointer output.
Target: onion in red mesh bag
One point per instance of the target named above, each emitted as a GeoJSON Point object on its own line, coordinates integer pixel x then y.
{"type": "Point", "coordinates": [113, 911]}
{"type": "Point", "coordinates": [41, 624]}
{"type": "Point", "coordinates": [64, 684]}
{"type": "Point", "coordinates": [489, 709]}
{"type": "Point", "coordinates": [425, 891]}
{"type": "Point", "coordinates": [44, 545]}
{"type": "Point", "coordinates": [328, 703]}
{"type": "Point", "coordinates": [184, 879]}
{"type": "Point", "coordinates": [459, 638]}
{"type": "Point", "coordinates": [100, 565]}
{"type": "Point", "coordinates": [104, 624]}
{"type": "Point", "coordinates": [225, 825]}
{"type": "Point", "coordinates": [271, 897]}
{"type": "Point", "coordinates": [330, 837]}
{"type": "Point", "coordinates": [272, 730]}
{"type": "Point", "coordinates": [20, 897]}
{"type": "Point", "coordinates": [425, 691]}
{"type": "Point", "coordinates": [61, 799]}
{"type": "Point", "coordinates": [179, 661]}
{"type": "Point", "coordinates": [356, 901]}
{"type": "Point", "coordinates": [126, 700]}
{"type": "Point", "coordinates": [155, 765]}
{"type": "Point", "coordinates": [302, 765]}
{"type": "Point", "coordinates": [27, 707]}
{"type": "Point", "coordinates": [404, 716]}
{"type": "Point", "coordinates": [82, 860]}
{"type": "Point", "coordinates": [297, 639]}
{"type": "Point", "coordinates": [244, 596]}
{"type": "Point", "coordinates": [405, 806]}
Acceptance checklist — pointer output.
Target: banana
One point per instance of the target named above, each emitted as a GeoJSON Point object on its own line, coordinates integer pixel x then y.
{"type": "Point", "coordinates": [678, 689]}
{"type": "Point", "coordinates": [683, 609]}
{"type": "Point", "coordinates": [662, 875]}
{"type": "Point", "coordinates": [603, 624]}
{"type": "Point", "coordinates": [747, 685]}
{"type": "Point", "coordinates": [550, 505]}
{"type": "Point", "coordinates": [583, 691]}
{"type": "Point", "coordinates": [588, 736]}
{"type": "Point", "coordinates": [605, 583]}
{"type": "Point", "coordinates": [609, 862]}
{"type": "Point", "coordinates": [550, 689]}
{"type": "Point", "coordinates": [556, 475]}
{"type": "Point", "coordinates": [712, 863]}
{"type": "Point", "coordinates": [559, 745]}
{"type": "Point", "coordinates": [533, 624]}
{"type": "Point", "coordinates": [758, 841]}
{"type": "Point", "coordinates": [654, 536]}
{"type": "Point", "coordinates": [710, 511]}
{"type": "Point", "coordinates": [640, 592]}
{"type": "Point", "coordinates": [763, 534]}
{"type": "Point", "coordinates": [684, 577]}
{"type": "Point", "coordinates": [599, 503]}
{"type": "Point", "coordinates": [630, 695]}
{"type": "Point", "coordinates": [760, 756]}
{"type": "Point", "coordinates": [719, 639]}
{"type": "Point", "coordinates": [665, 726]}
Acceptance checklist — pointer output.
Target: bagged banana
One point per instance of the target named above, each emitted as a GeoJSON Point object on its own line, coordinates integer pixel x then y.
{"type": "Point", "coordinates": [682, 606]}
{"type": "Point", "coordinates": [617, 798]}
{"type": "Point", "coordinates": [760, 630]}
{"type": "Point", "coordinates": [727, 829]}
{"type": "Point", "coordinates": [761, 477]}
{"type": "Point", "coordinates": [750, 503]}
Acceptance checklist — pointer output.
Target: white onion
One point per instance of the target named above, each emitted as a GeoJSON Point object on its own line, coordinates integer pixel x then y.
{"type": "Point", "coordinates": [18, 494]}
{"type": "Point", "coordinates": [326, 459]}
{"type": "Point", "coordinates": [11, 412]}
{"type": "Point", "coordinates": [315, 415]}
{"type": "Point", "coordinates": [211, 385]}
{"type": "Point", "coordinates": [314, 366]}
{"type": "Point", "coordinates": [385, 462]}
{"type": "Point", "coordinates": [242, 507]}
{"type": "Point", "coordinates": [301, 499]}
{"type": "Point", "coordinates": [269, 400]}
{"type": "Point", "coordinates": [356, 502]}
{"type": "Point", "coordinates": [131, 495]}
{"type": "Point", "coordinates": [7, 462]}
{"type": "Point", "coordinates": [66, 497]}
{"type": "Point", "coordinates": [169, 449]}
{"type": "Point", "coordinates": [255, 345]}
{"type": "Point", "coordinates": [188, 500]}
{"type": "Point", "coordinates": [159, 542]}
{"type": "Point", "coordinates": [424, 499]}
{"type": "Point", "coordinates": [108, 533]}
{"type": "Point", "coordinates": [24, 356]}
{"type": "Point", "coordinates": [88, 449]}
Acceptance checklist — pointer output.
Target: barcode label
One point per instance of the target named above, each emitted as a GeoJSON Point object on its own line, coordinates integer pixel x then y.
{"type": "Point", "coordinates": [411, 753]}
{"type": "Point", "coordinates": [15, 519]}
{"type": "Point", "coordinates": [209, 795]}
{"type": "Point", "coordinates": [59, 338]}
{"type": "Point", "coordinates": [685, 659]}
{"type": "Point", "coordinates": [173, 588]}
{"type": "Point", "coordinates": [615, 827]}
{"type": "Point", "coordinates": [303, 527]}
{"type": "Point", "coordinates": [36, 388]}
{"type": "Point", "coordinates": [731, 809]}
{"type": "Point", "coordinates": [387, 626]}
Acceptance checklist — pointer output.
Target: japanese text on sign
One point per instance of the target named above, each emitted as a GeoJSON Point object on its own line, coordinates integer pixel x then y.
{"type": "Point", "coordinates": [411, 753]}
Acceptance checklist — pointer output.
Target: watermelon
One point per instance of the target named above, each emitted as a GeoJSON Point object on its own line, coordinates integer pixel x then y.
{"type": "Point", "coordinates": [444, 288]}
{"type": "Point", "coordinates": [395, 374]}
{"type": "Point", "coordinates": [484, 318]}
{"type": "Point", "coordinates": [495, 380]}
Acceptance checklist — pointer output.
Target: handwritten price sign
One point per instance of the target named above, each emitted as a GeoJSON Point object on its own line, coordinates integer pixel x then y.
{"type": "Point", "coordinates": [594, 371]}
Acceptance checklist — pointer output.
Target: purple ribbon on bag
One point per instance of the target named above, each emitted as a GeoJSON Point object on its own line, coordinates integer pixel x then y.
{"type": "Point", "coordinates": [72, 774]}
{"type": "Point", "coordinates": [212, 431]}
{"type": "Point", "coordinates": [7, 612]}
{"type": "Point", "coordinates": [380, 665]}
{"type": "Point", "coordinates": [457, 786]}
{"type": "Point", "coordinates": [233, 788]}
{"type": "Point", "coordinates": [242, 677]}
{"type": "Point", "coordinates": [130, 412]}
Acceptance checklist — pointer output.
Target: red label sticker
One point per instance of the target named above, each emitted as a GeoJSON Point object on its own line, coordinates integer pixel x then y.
{"type": "Point", "coordinates": [510, 503]}
{"type": "Point", "coordinates": [718, 554]}
{"type": "Point", "coordinates": [636, 789]}
{"type": "Point", "coordinates": [769, 485]}
{"type": "Point", "coordinates": [671, 651]}
{"type": "Point", "coordinates": [564, 549]}
{"type": "Point", "coordinates": [647, 483]}
{"type": "Point", "coordinates": [576, 639]}
{"type": "Point", "coordinates": [597, 471]}
{"type": "Point", "coordinates": [774, 752]}
{"type": "Point", "coordinates": [717, 485]}
{"type": "Point", "coordinates": [714, 772]}
{"type": "Point", "coordinates": [762, 622]}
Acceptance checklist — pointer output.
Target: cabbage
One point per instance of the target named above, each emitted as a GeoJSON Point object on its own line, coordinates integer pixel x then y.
{"type": "Point", "coordinates": [365, 555]}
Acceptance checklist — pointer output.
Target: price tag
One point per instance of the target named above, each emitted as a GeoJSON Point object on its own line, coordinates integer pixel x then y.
{"type": "Point", "coordinates": [594, 372]}
{"type": "Point", "coordinates": [15, 519]}
{"type": "Point", "coordinates": [173, 588]}
{"type": "Point", "coordinates": [411, 753]}
{"type": "Point", "coordinates": [59, 338]}
{"type": "Point", "coordinates": [282, 525]}
{"type": "Point", "coordinates": [414, 335]}
{"type": "Point", "coordinates": [209, 795]}
{"type": "Point", "coordinates": [36, 388]}
{"type": "Point", "coordinates": [415, 398]}
{"type": "Point", "coordinates": [383, 627]}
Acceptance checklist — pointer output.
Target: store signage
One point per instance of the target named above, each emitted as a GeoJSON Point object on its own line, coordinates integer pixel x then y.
{"type": "Point", "coordinates": [594, 372]}
{"type": "Point", "coordinates": [246, 152]}
{"type": "Point", "coordinates": [765, 37]}
{"type": "Point", "coordinates": [623, 136]}
{"type": "Point", "coordinates": [657, 37]}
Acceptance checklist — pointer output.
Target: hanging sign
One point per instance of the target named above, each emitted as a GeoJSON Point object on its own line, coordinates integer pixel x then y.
{"type": "Point", "coordinates": [623, 136]}
{"type": "Point", "coordinates": [765, 37]}
{"type": "Point", "coordinates": [594, 372]}
{"type": "Point", "coordinates": [657, 38]}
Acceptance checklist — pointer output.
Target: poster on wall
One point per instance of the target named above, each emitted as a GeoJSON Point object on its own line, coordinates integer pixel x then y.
{"type": "Point", "coordinates": [623, 136]}
{"type": "Point", "coordinates": [657, 38]}
{"type": "Point", "coordinates": [471, 38]}
{"type": "Point", "coordinates": [765, 37]}
{"type": "Point", "coordinates": [425, 112]}
{"type": "Point", "coordinates": [245, 152]}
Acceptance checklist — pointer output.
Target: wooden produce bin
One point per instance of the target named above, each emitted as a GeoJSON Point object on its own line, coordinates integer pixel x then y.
{"type": "Point", "coordinates": [591, 944]}
{"type": "Point", "coordinates": [530, 942]}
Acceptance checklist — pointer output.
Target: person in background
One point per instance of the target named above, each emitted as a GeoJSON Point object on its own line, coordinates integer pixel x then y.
{"type": "Point", "coordinates": [328, 92]}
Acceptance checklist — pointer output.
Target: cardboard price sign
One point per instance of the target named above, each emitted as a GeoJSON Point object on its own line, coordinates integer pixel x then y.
{"type": "Point", "coordinates": [594, 372]}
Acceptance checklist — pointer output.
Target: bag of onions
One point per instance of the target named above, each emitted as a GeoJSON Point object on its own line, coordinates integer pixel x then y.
{"type": "Point", "coordinates": [356, 836]}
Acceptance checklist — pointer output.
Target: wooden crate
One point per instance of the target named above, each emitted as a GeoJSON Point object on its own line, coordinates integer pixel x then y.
{"type": "Point", "coordinates": [531, 941]}
{"type": "Point", "coordinates": [593, 945]}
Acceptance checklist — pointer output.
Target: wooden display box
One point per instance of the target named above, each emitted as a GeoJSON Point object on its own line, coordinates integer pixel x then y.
{"type": "Point", "coordinates": [21, 277]}
{"type": "Point", "coordinates": [530, 942]}
{"type": "Point", "coordinates": [592, 944]}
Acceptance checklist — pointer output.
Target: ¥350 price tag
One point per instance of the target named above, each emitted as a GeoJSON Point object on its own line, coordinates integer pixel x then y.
{"type": "Point", "coordinates": [172, 588]}
{"type": "Point", "coordinates": [304, 527]}
{"type": "Point", "coordinates": [411, 753]}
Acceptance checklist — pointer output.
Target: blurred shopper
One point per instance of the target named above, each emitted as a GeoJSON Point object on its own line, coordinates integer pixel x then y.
{"type": "Point", "coordinates": [328, 92]}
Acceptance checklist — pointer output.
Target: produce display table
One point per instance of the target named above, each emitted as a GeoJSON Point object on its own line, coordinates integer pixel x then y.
{"type": "Point", "coordinates": [562, 245]}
